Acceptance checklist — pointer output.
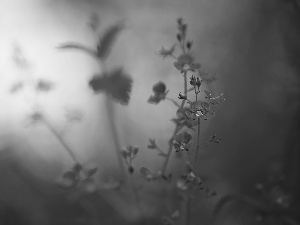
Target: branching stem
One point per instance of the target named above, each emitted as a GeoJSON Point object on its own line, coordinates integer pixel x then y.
{"type": "Point", "coordinates": [176, 128]}
{"type": "Point", "coordinates": [61, 140]}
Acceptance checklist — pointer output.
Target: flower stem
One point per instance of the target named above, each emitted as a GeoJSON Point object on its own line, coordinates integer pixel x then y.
{"type": "Point", "coordinates": [136, 197]}
{"type": "Point", "coordinates": [110, 115]}
{"type": "Point", "coordinates": [198, 137]}
{"type": "Point", "coordinates": [188, 210]}
{"type": "Point", "coordinates": [61, 140]}
{"type": "Point", "coordinates": [176, 128]}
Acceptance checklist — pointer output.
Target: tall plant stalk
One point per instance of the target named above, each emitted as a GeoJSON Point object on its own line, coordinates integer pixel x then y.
{"type": "Point", "coordinates": [176, 128]}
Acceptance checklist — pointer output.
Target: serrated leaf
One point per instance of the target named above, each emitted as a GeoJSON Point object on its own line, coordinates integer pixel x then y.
{"type": "Point", "coordinates": [78, 46]}
{"type": "Point", "coordinates": [166, 52]}
{"type": "Point", "coordinates": [117, 84]}
{"type": "Point", "coordinates": [106, 41]}
{"type": "Point", "coordinates": [152, 144]}
{"type": "Point", "coordinates": [19, 59]}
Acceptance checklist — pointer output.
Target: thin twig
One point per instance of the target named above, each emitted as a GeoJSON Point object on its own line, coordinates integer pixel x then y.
{"type": "Point", "coordinates": [176, 128]}
{"type": "Point", "coordinates": [61, 140]}
{"type": "Point", "coordinates": [110, 115]}
{"type": "Point", "coordinates": [198, 135]}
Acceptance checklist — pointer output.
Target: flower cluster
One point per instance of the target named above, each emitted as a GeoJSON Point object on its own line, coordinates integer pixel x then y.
{"type": "Point", "coordinates": [129, 154]}
{"type": "Point", "coordinates": [78, 177]}
{"type": "Point", "coordinates": [188, 178]}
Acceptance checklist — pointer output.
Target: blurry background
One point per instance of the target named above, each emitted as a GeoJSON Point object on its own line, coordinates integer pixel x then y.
{"type": "Point", "coordinates": [252, 46]}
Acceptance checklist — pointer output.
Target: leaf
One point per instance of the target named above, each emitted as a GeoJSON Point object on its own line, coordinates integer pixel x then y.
{"type": "Point", "coordinates": [160, 93]}
{"type": "Point", "coordinates": [68, 181]}
{"type": "Point", "coordinates": [145, 171]}
{"type": "Point", "coordinates": [44, 86]}
{"type": "Point", "coordinates": [78, 46]}
{"type": "Point", "coordinates": [197, 105]}
{"type": "Point", "coordinates": [105, 43]}
{"type": "Point", "coordinates": [159, 88]}
{"type": "Point", "coordinates": [124, 153]}
{"type": "Point", "coordinates": [117, 84]}
{"type": "Point", "coordinates": [162, 154]}
{"type": "Point", "coordinates": [214, 100]}
{"type": "Point", "coordinates": [92, 171]}
{"type": "Point", "coordinates": [166, 52]}
{"type": "Point", "coordinates": [88, 185]}
{"type": "Point", "coordinates": [135, 150]}
{"type": "Point", "coordinates": [94, 21]}
{"type": "Point", "coordinates": [185, 58]}
{"type": "Point", "coordinates": [16, 87]}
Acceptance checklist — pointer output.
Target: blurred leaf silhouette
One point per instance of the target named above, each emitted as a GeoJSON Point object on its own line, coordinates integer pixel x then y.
{"type": "Point", "coordinates": [160, 93]}
{"type": "Point", "coordinates": [44, 85]}
{"type": "Point", "coordinates": [78, 46]}
{"type": "Point", "coordinates": [16, 87]}
{"type": "Point", "coordinates": [116, 84]}
{"type": "Point", "coordinates": [94, 21]}
{"type": "Point", "coordinates": [103, 47]}
{"type": "Point", "coordinates": [19, 59]}
{"type": "Point", "coordinates": [105, 43]}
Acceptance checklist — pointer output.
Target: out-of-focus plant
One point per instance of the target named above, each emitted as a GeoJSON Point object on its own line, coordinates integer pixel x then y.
{"type": "Point", "coordinates": [191, 111]}
{"type": "Point", "coordinates": [116, 84]}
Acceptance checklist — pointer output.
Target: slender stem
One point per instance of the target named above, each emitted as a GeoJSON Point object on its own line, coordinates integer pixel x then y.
{"type": "Point", "coordinates": [185, 88]}
{"type": "Point", "coordinates": [188, 211]}
{"type": "Point", "coordinates": [61, 140]}
{"type": "Point", "coordinates": [198, 137]}
{"type": "Point", "coordinates": [110, 115]}
{"type": "Point", "coordinates": [198, 145]}
{"type": "Point", "coordinates": [160, 150]}
{"type": "Point", "coordinates": [175, 130]}
{"type": "Point", "coordinates": [136, 197]}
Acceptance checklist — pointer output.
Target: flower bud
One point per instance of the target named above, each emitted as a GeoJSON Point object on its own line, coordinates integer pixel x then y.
{"type": "Point", "coordinates": [198, 82]}
{"type": "Point", "coordinates": [193, 81]}
{"type": "Point", "coordinates": [181, 96]}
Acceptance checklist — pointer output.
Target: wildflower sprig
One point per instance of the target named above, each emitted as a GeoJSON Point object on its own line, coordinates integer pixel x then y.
{"type": "Point", "coordinates": [190, 116]}
{"type": "Point", "coordinates": [129, 153]}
